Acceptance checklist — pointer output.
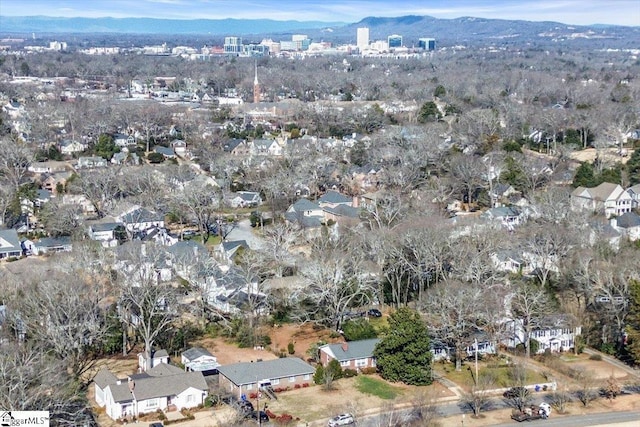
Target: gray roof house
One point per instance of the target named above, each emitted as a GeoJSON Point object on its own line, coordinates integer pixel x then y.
{"type": "Point", "coordinates": [199, 359]}
{"type": "Point", "coordinates": [163, 387]}
{"type": "Point", "coordinates": [351, 355]}
{"type": "Point", "coordinates": [287, 372]}
{"type": "Point", "coordinates": [167, 152]}
{"type": "Point", "coordinates": [9, 244]}
{"type": "Point", "coordinates": [52, 244]}
{"type": "Point", "coordinates": [628, 224]}
{"type": "Point", "coordinates": [333, 198]}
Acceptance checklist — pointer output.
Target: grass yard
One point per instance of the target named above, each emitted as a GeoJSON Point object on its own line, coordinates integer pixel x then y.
{"type": "Point", "coordinates": [501, 375]}
{"type": "Point", "coordinates": [376, 387]}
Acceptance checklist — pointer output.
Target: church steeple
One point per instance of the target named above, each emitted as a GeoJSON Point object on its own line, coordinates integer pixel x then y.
{"type": "Point", "coordinates": [256, 86]}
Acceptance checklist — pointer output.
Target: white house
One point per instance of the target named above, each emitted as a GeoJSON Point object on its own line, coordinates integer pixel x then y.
{"type": "Point", "coordinates": [243, 199]}
{"type": "Point", "coordinates": [510, 262]}
{"type": "Point", "coordinates": [610, 199]}
{"type": "Point", "coordinates": [165, 387]}
{"type": "Point", "coordinates": [91, 162]}
{"type": "Point", "coordinates": [140, 219]}
{"type": "Point", "coordinates": [106, 233]}
{"type": "Point", "coordinates": [266, 147]}
{"type": "Point", "coordinates": [157, 357]}
{"type": "Point", "coordinates": [199, 359]}
{"type": "Point", "coordinates": [122, 140]}
{"type": "Point", "coordinates": [556, 333]}
{"type": "Point", "coordinates": [68, 147]}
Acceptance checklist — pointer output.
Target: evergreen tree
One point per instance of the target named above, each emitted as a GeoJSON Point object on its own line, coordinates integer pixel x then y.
{"type": "Point", "coordinates": [633, 321]}
{"type": "Point", "coordinates": [585, 176]}
{"type": "Point", "coordinates": [429, 112]}
{"type": "Point", "coordinates": [633, 167]}
{"type": "Point", "coordinates": [359, 329]}
{"type": "Point", "coordinates": [404, 353]}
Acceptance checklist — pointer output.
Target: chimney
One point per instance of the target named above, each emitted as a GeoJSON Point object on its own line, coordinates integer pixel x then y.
{"type": "Point", "coordinates": [345, 346]}
{"type": "Point", "coordinates": [355, 202]}
{"type": "Point", "coordinates": [132, 385]}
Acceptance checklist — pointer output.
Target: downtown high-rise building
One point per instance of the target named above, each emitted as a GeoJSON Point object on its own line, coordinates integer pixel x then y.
{"type": "Point", "coordinates": [362, 38]}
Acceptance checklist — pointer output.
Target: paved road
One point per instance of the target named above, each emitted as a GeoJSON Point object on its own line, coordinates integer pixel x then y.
{"type": "Point", "coordinates": [605, 418]}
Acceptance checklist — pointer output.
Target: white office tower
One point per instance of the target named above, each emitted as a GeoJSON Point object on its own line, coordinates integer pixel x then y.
{"type": "Point", "coordinates": [362, 39]}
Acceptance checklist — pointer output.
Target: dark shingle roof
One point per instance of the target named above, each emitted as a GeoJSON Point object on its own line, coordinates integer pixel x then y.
{"type": "Point", "coordinates": [334, 197]}
{"type": "Point", "coordinates": [354, 349]}
{"type": "Point", "coordinates": [628, 220]}
{"type": "Point", "coordinates": [248, 373]}
{"type": "Point", "coordinates": [141, 215]}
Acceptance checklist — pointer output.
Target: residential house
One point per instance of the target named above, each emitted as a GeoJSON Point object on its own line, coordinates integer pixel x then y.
{"type": "Point", "coordinates": [304, 207]}
{"type": "Point", "coordinates": [68, 147]}
{"type": "Point", "coordinates": [228, 249]}
{"type": "Point", "coordinates": [48, 245]}
{"type": "Point", "coordinates": [439, 350]}
{"type": "Point", "coordinates": [199, 359]}
{"type": "Point", "coordinates": [265, 147]}
{"type": "Point", "coordinates": [246, 378]}
{"type": "Point", "coordinates": [51, 181]}
{"type": "Point", "coordinates": [366, 177]}
{"type": "Point", "coordinates": [87, 207]}
{"type": "Point", "coordinates": [244, 199]}
{"type": "Point", "coordinates": [556, 333]}
{"type": "Point", "coordinates": [91, 162]}
{"type": "Point", "coordinates": [164, 387]}
{"type": "Point", "coordinates": [229, 290]}
{"type": "Point", "coordinates": [342, 214]}
{"type": "Point", "coordinates": [334, 199]}
{"type": "Point", "coordinates": [481, 343]}
{"type": "Point", "coordinates": [634, 192]}
{"type": "Point", "coordinates": [157, 357]}
{"type": "Point", "coordinates": [628, 224]}
{"type": "Point", "coordinates": [607, 198]}
{"type": "Point", "coordinates": [501, 193]}
{"type": "Point", "coordinates": [167, 152]}
{"type": "Point", "coordinates": [50, 166]}
{"type": "Point", "coordinates": [307, 215]}
{"type": "Point", "coordinates": [124, 157]}
{"type": "Point", "coordinates": [351, 354]}
{"type": "Point", "coordinates": [107, 233]}
{"type": "Point", "coordinates": [140, 219]}
{"type": "Point", "coordinates": [121, 140]}
{"type": "Point", "coordinates": [510, 262]}
{"type": "Point", "coordinates": [237, 147]}
{"type": "Point", "coordinates": [507, 216]}
{"type": "Point", "coordinates": [9, 244]}
{"type": "Point", "coordinates": [179, 147]}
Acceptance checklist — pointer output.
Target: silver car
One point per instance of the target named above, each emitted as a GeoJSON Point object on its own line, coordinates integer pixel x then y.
{"type": "Point", "coordinates": [341, 420]}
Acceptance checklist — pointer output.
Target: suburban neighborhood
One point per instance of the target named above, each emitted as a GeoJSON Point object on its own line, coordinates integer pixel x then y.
{"type": "Point", "coordinates": [363, 227]}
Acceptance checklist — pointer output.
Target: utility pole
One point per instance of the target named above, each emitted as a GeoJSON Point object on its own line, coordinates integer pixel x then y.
{"type": "Point", "coordinates": [476, 344]}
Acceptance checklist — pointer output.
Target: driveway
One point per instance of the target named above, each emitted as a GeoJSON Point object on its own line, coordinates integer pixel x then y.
{"type": "Point", "coordinates": [244, 231]}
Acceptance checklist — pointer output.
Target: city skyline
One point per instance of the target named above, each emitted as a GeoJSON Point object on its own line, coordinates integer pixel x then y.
{"type": "Point", "coordinates": [574, 12]}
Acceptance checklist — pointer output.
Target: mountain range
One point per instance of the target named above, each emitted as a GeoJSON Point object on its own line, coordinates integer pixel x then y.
{"type": "Point", "coordinates": [465, 30]}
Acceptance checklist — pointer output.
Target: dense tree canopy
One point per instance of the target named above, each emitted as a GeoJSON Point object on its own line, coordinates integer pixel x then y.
{"type": "Point", "coordinates": [404, 353]}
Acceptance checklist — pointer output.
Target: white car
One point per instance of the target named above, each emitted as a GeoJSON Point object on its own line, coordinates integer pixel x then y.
{"type": "Point", "coordinates": [341, 420]}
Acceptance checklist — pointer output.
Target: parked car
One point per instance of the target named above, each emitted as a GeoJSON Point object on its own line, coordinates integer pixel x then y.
{"type": "Point", "coordinates": [156, 425]}
{"type": "Point", "coordinates": [374, 312]}
{"type": "Point", "coordinates": [341, 420]}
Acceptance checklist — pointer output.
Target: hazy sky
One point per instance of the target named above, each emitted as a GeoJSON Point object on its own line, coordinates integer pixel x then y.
{"type": "Point", "coordinates": [621, 12]}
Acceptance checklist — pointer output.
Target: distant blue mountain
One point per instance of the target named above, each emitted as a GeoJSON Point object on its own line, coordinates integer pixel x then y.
{"type": "Point", "coordinates": [46, 24]}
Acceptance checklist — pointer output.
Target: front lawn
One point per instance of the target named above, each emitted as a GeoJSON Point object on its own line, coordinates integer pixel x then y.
{"type": "Point", "coordinates": [376, 387]}
{"type": "Point", "coordinates": [501, 375]}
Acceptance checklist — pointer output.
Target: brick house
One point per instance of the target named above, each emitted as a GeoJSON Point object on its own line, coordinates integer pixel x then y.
{"type": "Point", "coordinates": [250, 377]}
{"type": "Point", "coordinates": [351, 355]}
